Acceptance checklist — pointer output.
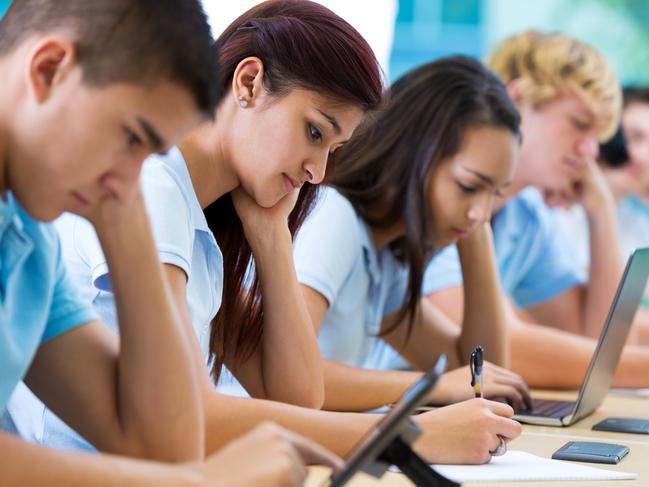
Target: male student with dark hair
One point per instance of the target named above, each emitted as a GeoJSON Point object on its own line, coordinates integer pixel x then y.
{"type": "Point", "coordinates": [89, 90]}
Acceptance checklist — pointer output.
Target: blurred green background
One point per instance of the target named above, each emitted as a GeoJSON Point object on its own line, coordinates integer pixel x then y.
{"type": "Point", "coordinates": [427, 29]}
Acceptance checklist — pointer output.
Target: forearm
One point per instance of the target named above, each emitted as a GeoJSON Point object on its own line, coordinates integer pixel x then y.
{"type": "Point", "coordinates": [290, 363]}
{"type": "Point", "coordinates": [484, 316]}
{"type": "Point", "coordinates": [154, 373]}
{"type": "Point", "coordinates": [230, 417]}
{"type": "Point", "coordinates": [632, 368]}
{"type": "Point", "coordinates": [606, 267]}
{"type": "Point", "coordinates": [356, 389]}
{"type": "Point", "coordinates": [27, 464]}
{"type": "Point", "coordinates": [549, 358]}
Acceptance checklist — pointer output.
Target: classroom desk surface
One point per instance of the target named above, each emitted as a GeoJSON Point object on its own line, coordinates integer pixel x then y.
{"type": "Point", "coordinates": [544, 440]}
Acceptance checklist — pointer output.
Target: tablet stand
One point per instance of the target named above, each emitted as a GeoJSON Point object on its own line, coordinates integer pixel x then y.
{"type": "Point", "coordinates": [400, 453]}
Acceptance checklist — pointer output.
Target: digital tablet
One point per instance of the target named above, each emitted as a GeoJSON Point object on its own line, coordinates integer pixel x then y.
{"type": "Point", "coordinates": [373, 444]}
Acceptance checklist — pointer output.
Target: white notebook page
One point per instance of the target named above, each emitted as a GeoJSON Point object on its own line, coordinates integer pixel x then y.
{"type": "Point", "coordinates": [520, 466]}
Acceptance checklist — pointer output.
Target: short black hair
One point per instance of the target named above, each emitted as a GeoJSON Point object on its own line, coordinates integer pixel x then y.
{"type": "Point", "coordinates": [132, 41]}
{"type": "Point", "coordinates": [613, 152]}
{"type": "Point", "coordinates": [635, 94]}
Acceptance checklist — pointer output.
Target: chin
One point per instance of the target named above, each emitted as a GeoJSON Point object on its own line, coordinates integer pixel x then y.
{"type": "Point", "coordinates": [36, 204]}
{"type": "Point", "coordinates": [45, 215]}
{"type": "Point", "coordinates": [442, 242]}
{"type": "Point", "coordinates": [267, 202]}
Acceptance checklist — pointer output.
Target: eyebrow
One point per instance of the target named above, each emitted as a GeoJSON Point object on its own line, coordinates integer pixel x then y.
{"type": "Point", "coordinates": [155, 140]}
{"type": "Point", "coordinates": [484, 178]}
{"type": "Point", "coordinates": [332, 121]}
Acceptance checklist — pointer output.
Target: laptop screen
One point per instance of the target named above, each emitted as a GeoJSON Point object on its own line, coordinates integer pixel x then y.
{"type": "Point", "coordinates": [614, 334]}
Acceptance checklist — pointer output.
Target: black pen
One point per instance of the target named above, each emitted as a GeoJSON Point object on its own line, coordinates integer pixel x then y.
{"type": "Point", "coordinates": [476, 361]}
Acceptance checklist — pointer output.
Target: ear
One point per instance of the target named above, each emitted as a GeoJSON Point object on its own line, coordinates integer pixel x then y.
{"type": "Point", "coordinates": [50, 62]}
{"type": "Point", "coordinates": [248, 81]}
{"type": "Point", "coordinates": [515, 90]}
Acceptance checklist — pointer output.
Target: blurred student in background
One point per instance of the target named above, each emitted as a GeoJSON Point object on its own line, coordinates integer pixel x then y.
{"type": "Point", "coordinates": [624, 160]}
{"type": "Point", "coordinates": [569, 99]}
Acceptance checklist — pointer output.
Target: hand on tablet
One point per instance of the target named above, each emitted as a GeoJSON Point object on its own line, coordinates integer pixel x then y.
{"type": "Point", "coordinates": [269, 456]}
{"type": "Point", "coordinates": [466, 432]}
{"type": "Point", "coordinates": [499, 384]}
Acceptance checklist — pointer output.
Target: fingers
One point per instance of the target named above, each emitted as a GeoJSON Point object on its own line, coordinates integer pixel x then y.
{"type": "Point", "coordinates": [508, 394]}
{"type": "Point", "coordinates": [508, 385]}
{"type": "Point", "coordinates": [523, 397]}
{"type": "Point", "coordinates": [502, 424]}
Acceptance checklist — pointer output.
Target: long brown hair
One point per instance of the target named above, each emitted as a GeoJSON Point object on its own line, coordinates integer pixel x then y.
{"type": "Point", "coordinates": [302, 45]}
{"type": "Point", "coordinates": [383, 171]}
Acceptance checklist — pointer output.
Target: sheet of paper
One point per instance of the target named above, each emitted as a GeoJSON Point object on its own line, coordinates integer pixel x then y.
{"type": "Point", "coordinates": [516, 466]}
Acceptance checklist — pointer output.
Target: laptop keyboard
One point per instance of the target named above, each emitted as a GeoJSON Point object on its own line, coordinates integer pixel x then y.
{"type": "Point", "coordinates": [549, 408]}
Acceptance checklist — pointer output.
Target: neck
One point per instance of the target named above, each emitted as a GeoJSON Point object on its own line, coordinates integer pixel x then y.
{"type": "Point", "coordinates": [382, 237]}
{"type": "Point", "coordinates": [210, 169]}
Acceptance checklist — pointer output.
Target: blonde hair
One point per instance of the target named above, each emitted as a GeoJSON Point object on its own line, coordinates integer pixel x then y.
{"type": "Point", "coordinates": [551, 64]}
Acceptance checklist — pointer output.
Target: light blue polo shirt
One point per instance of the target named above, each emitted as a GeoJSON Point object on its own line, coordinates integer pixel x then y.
{"type": "Point", "coordinates": [632, 230]}
{"type": "Point", "coordinates": [38, 300]}
{"type": "Point", "coordinates": [182, 238]}
{"type": "Point", "coordinates": [536, 260]}
{"type": "Point", "coordinates": [335, 255]}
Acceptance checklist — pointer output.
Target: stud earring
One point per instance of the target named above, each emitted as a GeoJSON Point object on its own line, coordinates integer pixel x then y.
{"type": "Point", "coordinates": [243, 103]}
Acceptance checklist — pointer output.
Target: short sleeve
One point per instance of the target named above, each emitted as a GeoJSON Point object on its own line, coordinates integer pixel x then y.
{"type": "Point", "coordinates": [68, 310]}
{"type": "Point", "coordinates": [170, 214]}
{"type": "Point", "coordinates": [328, 245]}
{"type": "Point", "coordinates": [170, 219]}
{"type": "Point", "coordinates": [555, 266]}
{"type": "Point", "coordinates": [443, 271]}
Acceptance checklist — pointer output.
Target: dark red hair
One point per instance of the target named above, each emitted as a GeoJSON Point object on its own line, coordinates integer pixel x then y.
{"type": "Point", "coordinates": [302, 45]}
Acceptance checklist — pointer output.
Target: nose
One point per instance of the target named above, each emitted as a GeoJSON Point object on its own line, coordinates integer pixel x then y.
{"type": "Point", "coordinates": [481, 208]}
{"type": "Point", "coordinates": [588, 147]}
{"type": "Point", "coordinates": [316, 168]}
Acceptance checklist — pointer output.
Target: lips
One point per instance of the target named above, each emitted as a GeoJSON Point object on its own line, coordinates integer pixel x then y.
{"type": "Point", "coordinates": [80, 200]}
{"type": "Point", "coordinates": [573, 164]}
{"type": "Point", "coordinates": [292, 183]}
{"type": "Point", "coordinates": [461, 233]}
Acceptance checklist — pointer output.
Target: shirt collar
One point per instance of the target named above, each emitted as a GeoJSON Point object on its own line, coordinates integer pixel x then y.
{"type": "Point", "coordinates": [369, 251]}
{"type": "Point", "coordinates": [176, 161]}
{"type": "Point", "coordinates": [9, 213]}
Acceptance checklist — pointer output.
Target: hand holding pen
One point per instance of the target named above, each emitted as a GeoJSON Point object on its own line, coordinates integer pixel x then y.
{"type": "Point", "coordinates": [476, 363]}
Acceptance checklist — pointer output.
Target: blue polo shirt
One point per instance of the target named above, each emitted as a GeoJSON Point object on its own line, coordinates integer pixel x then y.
{"type": "Point", "coordinates": [182, 238]}
{"type": "Point", "coordinates": [38, 301]}
{"type": "Point", "coordinates": [536, 260]}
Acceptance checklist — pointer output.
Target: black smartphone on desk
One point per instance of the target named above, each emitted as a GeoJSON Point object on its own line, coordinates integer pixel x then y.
{"type": "Point", "coordinates": [374, 443]}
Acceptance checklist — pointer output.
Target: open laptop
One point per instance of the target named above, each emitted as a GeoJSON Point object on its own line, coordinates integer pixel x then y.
{"type": "Point", "coordinates": [607, 354]}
